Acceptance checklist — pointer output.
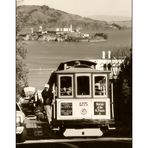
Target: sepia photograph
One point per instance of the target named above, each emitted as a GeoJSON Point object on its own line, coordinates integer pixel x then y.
{"type": "Point", "coordinates": [74, 73]}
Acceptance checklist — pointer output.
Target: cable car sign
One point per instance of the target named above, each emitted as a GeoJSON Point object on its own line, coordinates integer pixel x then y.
{"type": "Point", "coordinates": [99, 108]}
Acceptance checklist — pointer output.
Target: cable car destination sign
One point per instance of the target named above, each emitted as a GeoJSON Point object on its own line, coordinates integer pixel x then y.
{"type": "Point", "coordinates": [99, 108]}
{"type": "Point", "coordinates": [66, 109]}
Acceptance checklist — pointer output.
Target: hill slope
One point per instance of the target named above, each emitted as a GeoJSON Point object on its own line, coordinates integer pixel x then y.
{"type": "Point", "coordinates": [122, 21]}
{"type": "Point", "coordinates": [34, 16]}
{"type": "Point", "coordinates": [124, 24]}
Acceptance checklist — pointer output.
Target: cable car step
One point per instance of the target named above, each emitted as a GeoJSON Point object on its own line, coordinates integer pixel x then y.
{"type": "Point", "coordinates": [83, 132]}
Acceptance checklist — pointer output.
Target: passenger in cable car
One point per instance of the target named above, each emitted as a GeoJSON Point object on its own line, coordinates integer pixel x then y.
{"type": "Point", "coordinates": [100, 86]}
{"type": "Point", "coordinates": [66, 91]}
{"type": "Point", "coordinates": [66, 86]}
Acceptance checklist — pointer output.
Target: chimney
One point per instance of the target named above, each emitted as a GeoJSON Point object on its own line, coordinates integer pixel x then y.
{"type": "Point", "coordinates": [109, 54]}
{"type": "Point", "coordinates": [103, 54]}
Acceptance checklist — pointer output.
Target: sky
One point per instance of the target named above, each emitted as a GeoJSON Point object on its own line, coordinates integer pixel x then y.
{"type": "Point", "coordinates": [87, 7]}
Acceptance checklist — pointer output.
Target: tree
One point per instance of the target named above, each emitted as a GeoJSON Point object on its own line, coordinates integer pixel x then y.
{"type": "Point", "coordinates": [21, 69]}
{"type": "Point", "coordinates": [123, 93]}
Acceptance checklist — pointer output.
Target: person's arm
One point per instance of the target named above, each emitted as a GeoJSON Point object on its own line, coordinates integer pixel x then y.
{"type": "Point", "coordinates": [36, 96]}
{"type": "Point", "coordinates": [43, 95]}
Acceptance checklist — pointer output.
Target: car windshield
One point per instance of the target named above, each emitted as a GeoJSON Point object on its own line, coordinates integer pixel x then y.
{"type": "Point", "coordinates": [17, 108]}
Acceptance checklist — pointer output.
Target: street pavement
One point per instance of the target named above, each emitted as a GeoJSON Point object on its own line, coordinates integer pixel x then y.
{"type": "Point", "coordinates": [40, 135]}
{"type": "Point", "coordinates": [79, 143]}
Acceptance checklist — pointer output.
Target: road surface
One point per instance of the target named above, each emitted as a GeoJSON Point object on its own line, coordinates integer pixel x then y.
{"type": "Point", "coordinates": [107, 142]}
{"type": "Point", "coordinates": [39, 135]}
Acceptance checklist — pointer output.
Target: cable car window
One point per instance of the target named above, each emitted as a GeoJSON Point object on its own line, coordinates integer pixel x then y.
{"type": "Point", "coordinates": [66, 86]}
{"type": "Point", "coordinates": [83, 85]}
{"type": "Point", "coordinates": [100, 85]}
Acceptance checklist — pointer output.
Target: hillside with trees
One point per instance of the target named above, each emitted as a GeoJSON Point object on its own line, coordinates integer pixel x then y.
{"type": "Point", "coordinates": [35, 16]}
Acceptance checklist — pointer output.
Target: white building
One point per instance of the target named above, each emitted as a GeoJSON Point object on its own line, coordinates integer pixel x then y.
{"type": "Point", "coordinates": [85, 35]}
{"type": "Point", "coordinates": [65, 29]}
{"type": "Point", "coordinates": [109, 64]}
{"type": "Point", "coordinates": [40, 29]}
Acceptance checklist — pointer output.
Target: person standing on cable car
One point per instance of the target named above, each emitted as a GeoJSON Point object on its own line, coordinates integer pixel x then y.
{"type": "Point", "coordinates": [47, 102]}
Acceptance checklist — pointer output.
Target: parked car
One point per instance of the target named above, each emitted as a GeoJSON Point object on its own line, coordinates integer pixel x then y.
{"type": "Point", "coordinates": [28, 100]}
{"type": "Point", "coordinates": [20, 124]}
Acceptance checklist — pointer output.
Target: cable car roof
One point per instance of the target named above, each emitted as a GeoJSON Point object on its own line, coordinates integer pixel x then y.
{"type": "Point", "coordinates": [74, 63]}
{"type": "Point", "coordinates": [81, 70]}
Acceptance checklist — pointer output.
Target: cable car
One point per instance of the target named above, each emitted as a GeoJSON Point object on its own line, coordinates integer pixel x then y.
{"type": "Point", "coordinates": [83, 105]}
